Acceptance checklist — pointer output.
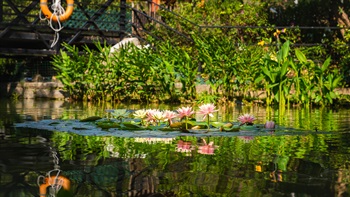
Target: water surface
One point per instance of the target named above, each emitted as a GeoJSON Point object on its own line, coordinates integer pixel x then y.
{"type": "Point", "coordinates": [307, 156]}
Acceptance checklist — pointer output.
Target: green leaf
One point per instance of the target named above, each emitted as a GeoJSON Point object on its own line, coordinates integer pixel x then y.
{"type": "Point", "coordinates": [259, 79]}
{"type": "Point", "coordinates": [91, 119]}
{"type": "Point", "coordinates": [272, 85]}
{"type": "Point", "coordinates": [300, 55]}
{"type": "Point", "coordinates": [326, 64]}
{"type": "Point", "coordinates": [217, 124]}
{"type": "Point", "coordinates": [333, 95]}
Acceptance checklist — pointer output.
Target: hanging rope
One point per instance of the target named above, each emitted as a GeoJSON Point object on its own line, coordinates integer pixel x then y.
{"type": "Point", "coordinates": [53, 179]}
{"type": "Point", "coordinates": [58, 15]}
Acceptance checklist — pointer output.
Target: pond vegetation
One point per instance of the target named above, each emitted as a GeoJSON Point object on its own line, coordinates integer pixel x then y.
{"type": "Point", "coordinates": [293, 159]}
{"type": "Point", "coordinates": [264, 64]}
{"type": "Point", "coordinates": [217, 142]}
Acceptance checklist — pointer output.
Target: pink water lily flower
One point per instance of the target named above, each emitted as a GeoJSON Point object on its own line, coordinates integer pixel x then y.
{"type": "Point", "coordinates": [270, 125]}
{"type": "Point", "coordinates": [207, 110]}
{"type": "Point", "coordinates": [150, 115]}
{"type": "Point", "coordinates": [246, 119]}
{"type": "Point", "coordinates": [185, 112]}
{"type": "Point", "coordinates": [169, 115]}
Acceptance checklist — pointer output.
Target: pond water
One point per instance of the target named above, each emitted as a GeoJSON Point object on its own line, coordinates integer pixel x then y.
{"type": "Point", "coordinates": [307, 155]}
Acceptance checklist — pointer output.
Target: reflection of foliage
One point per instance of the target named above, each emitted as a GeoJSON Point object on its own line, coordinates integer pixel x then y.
{"type": "Point", "coordinates": [228, 170]}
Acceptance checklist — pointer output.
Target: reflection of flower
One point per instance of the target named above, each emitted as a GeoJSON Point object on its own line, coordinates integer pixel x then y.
{"type": "Point", "coordinates": [152, 140]}
{"type": "Point", "coordinates": [183, 146]}
{"type": "Point", "coordinates": [207, 110]}
{"type": "Point", "coordinates": [185, 112]}
{"type": "Point", "coordinates": [270, 125]}
{"type": "Point", "coordinates": [206, 149]}
{"type": "Point", "coordinates": [246, 119]}
{"type": "Point", "coordinates": [246, 139]}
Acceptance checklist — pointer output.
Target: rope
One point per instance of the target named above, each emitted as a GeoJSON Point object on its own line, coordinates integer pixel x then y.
{"type": "Point", "coordinates": [58, 10]}
{"type": "Point", "coordinates": [52, 177]}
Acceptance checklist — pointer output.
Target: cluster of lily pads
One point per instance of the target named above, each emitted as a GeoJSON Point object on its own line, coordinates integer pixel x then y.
{"type": "Point", "coordinates": [180, 120]}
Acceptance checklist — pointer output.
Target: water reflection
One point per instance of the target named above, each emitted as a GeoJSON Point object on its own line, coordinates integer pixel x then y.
{"type": "Point", "coordinates": [184, 147]}
{"type": "Point", "coordinates": [206, 148]}
{"type": "Point", "coordinates": [303, 164]}
{"type": "Point", "coordinates": [53, 181]}
{"type": "Point", "coordinates": [201, 146]}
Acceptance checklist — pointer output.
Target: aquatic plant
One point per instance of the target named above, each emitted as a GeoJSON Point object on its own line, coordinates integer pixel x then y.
{"type": "Point", "coordinates": [207, 110]}
{"type": "Point", "coordinates": [120, 114]}
{"type": "Point", "coordinates": [246, 119]}
{"type": "Point", "coordinates": [169, 116]}
{"type": "Point", "coordinates": [185, 112]}
{"type": "Point", "coordinates": [180, 120]}
{"type": "Point", "coordinates": [269, 125]}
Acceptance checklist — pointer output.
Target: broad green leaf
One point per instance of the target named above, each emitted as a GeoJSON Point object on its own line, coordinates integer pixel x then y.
{"type": "Point", "coordinates": [300, 55]}
{"type": "Point", "coordinates": [326, 64]}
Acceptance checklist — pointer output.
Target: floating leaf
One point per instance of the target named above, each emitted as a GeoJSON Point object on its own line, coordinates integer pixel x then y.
{"type": "Point", "coordinates": [227, 125]}
{"type": "Point", "coordinates": [108, 125]}
{"type": "Point", "coordinates": [176, 125]}
{"type": "Point", "coordinates": [248, 128]}
{"type": "Point", "coordinates": [131, 126]}
{"type": "Point", "coordinates": [54, 123]}
{"type": "Point", "coordinates": [151, 127]}
{"type": "Point", "coordinates": [91, 119]}
{"type": "Point", "coordinates": [168, 129]}
{"type": "Point", "coordinates": [230, 129]}
{"type": "Point", "coordinates": [80, 128]}
{"type": "Point", "coordinates": [218, 124]}
{"type": "Point", "coordinates": [196, 127]}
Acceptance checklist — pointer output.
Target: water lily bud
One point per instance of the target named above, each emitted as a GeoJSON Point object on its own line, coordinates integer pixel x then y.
{"type": "Point", "coordinates": [270, 125]}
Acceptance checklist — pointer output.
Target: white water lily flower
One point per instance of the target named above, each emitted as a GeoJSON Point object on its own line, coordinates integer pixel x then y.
{"type": "Point", "coordinates": [140, 114]}
{"type": "Point", "coordinates": [159, 115]}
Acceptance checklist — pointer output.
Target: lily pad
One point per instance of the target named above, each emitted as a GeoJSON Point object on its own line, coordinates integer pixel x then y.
{"type": "Point", "coordinates": [176, 125]}
{"type": "Point", "coordinates": [131, 126]}
{"type": "Point", "coordinates": [54, 123]}
{"type": "Point", "coordinates": [249, 128]}
{"type": "Point", "coordinates": [217, 124]}
{"type": "Point", "coordinates": [91, 119]}
{"type": "Point", "coordinates": [182, 125]}
{"type": "Point", "coordinates": [230, 129]}
{"type": "Point", "coordinates": [107, 125]}
{"type": "Point", "coordinates": [80, 128]}
{"type": "Point", "coordinates": [168, 129]}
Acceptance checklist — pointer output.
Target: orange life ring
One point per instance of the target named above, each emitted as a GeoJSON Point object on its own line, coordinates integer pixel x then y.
{"type": "Point", "coordinates": [69, 10]}
{"type": "Point", "coordinates": [64, 182]}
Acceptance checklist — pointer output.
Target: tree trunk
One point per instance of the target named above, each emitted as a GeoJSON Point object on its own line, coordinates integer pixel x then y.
{"type": "Point", "coordinates": [343, 21]}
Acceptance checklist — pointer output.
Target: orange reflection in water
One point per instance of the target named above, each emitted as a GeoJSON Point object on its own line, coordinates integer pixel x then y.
{"type": "Point", "coordinates": [56, 182]}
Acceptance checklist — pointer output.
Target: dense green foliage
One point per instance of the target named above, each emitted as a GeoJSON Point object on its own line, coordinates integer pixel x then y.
{"type": "Point", "coordinates": [235, 59]}
{"type": "Point", "coordinates": [152, 75]}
